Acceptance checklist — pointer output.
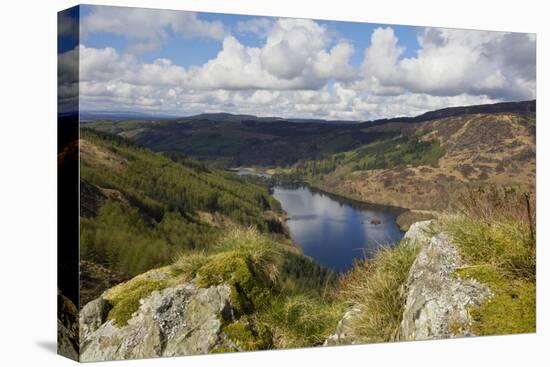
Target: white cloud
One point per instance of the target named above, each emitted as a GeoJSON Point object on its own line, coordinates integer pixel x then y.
{"type": "Point", "coordinates": [297, 54]}
{"type": "Point", "coordinates": [302, 70]}
{"type": "Point", "coordinates": [113, 81]}
{"type": "Point", "coordinates": [146, 29]}
{"type": "Point", "coordinates": [451, 62]}
{"type": "Point", "coordinates": [258, 26]}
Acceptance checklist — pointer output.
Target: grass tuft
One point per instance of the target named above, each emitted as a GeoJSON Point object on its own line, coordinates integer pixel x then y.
{"type": "Point", "coordinates": [301, 320]}
{"type": "Point", "coordinates": [496, 236]}
{"type": "Point", "coordinates": [376, 288]}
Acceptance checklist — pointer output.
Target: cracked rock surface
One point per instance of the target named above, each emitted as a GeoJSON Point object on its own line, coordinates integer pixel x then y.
{"type": "Point", "coordinates": [180, 320]}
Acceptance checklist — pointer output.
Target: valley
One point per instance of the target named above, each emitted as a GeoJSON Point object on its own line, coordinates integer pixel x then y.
{"type": "Point", "coordinates": [300, 226]}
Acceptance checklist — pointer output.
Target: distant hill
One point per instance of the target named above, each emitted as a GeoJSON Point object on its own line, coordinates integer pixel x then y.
{"type": "Point", "coordinates": [510, 107]}
{"type": "Point", "coordinates": [87, 116]}
{"type": "Point", "coordinates": [234, 140]}
{"type": "Point", "coordinates": [430, 162]}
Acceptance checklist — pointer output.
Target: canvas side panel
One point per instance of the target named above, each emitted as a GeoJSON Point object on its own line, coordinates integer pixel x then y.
{"type": "Point", "coordinates": [68, 183]}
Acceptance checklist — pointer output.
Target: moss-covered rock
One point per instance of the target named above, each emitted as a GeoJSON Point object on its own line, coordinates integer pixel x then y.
{"type": "Point", "coordinates": [125, 298]}
{"type": "Point", "coordinates": [249, 291]}
{"type": "Point", "coordinates": [177, 320]}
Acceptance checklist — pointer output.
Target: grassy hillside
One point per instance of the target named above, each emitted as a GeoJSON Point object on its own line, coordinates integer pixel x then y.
{"type": "Point", "coordinates": [143, 207]}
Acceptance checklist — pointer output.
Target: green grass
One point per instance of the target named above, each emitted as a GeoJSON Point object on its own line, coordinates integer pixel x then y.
{"type": "Point", "coordinates": [243, 258]}
{"type": "Point", "coordinates": [506, 245]}
{"type": "Point", "coordinates": [301, 320]}
{"type": "Point", "coordinates": [494, 234]}
{"type": "Point", "coordinates": [512, 309]}
{"type": "Point", "coordinates": [249, 335]}
{"type": "Point", "coordinates": [376, 287]}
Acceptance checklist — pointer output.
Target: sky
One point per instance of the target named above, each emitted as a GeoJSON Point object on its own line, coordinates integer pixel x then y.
{"type": "Point", "coordinates": [185, 63]}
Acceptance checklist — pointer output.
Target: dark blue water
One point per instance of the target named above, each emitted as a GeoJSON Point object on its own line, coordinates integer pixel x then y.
{"type": "Point", "coordinates": [334, 231]}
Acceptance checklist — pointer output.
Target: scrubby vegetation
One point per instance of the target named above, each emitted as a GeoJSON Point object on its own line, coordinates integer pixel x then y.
{"type": "Point", "coordinates": [496, 235]}
{"type": "Point", "coordinates": [377, 289]}
{"type": "Point", "coordinates": [239, 142]}
{"type": "Point", "coordinates": [388, 153]}
{"type": "Point", "coordinates": [276, 305]}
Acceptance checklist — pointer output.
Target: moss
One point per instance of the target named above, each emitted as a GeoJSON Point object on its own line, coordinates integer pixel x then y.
{"type": "Point", "coordinates": [125, 297]}
{"type": "Point", "coordinates": [248, 290]}
{"type": "Point", "coordinates": [511, 310]}
{"type": "Point", "coordinates": [248, 335]}
{"type": "Point", "coordinates": [224, 349]}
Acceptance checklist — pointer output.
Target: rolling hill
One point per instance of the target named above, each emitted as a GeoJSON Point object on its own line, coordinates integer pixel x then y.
{"type": "Point", "coordinates": [414, 162]}
{"type": "Point", "coordinates": [140, 208]}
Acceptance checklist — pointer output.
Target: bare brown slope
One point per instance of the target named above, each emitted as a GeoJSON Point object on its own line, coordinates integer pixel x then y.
{"type": "Point", "coordinates": [480, 149]}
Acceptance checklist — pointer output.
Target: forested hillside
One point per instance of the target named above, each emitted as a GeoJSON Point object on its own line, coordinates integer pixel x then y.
{"type": "Point", "coordinates": [140, 208]}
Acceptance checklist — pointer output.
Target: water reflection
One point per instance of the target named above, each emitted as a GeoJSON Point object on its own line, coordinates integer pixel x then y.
{"type": "Point", "coordinates": [332, 230]}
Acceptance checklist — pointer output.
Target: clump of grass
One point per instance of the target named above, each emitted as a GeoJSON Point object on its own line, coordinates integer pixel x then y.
{"type": "Point", "coordinates": [496, 226]}
{"type": "Point", "coordinates": [261, 250]}
{"type": "Point", "coordinates": [301, 320]}
{"type": "Point", "coordinates": [376, 288]}
{"type": "Point", "coordinates": [506, 245]}
{"type": "Point", "coordinates": [186, 265]}
{"type": "Point", "coordinates": [492, 203]}
{"type": "Point", "coordinates": [495, 234]}
{"type": "Point", "coordinates": [245, 259]}
{"type": "Point", "coordinates": [512, 309]}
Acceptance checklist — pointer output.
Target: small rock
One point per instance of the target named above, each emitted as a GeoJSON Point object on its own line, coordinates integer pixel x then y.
{"type": "Point", "coordinates": [342, 333]}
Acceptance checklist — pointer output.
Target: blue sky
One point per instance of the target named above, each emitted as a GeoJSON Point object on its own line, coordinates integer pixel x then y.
{"type": "Point", "coordinates": [183, 63]}
{"type": "Point", "coordinates": [187, 52]}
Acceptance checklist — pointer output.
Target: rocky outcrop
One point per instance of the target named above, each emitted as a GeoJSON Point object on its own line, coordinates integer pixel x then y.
{"type": "Point", "coordinates": [180, 320]}
{"type": "Point", "coordinates": [342, 333]}
{"type": "Point", "coordinates": [437, 300]}
{"type": "Point", "coordinates": [67, 327]}
{"type": "Point", "coordinates": [406, 219]}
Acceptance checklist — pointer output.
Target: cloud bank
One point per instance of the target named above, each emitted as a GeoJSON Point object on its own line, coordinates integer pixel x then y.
{"type": "Point", "coordinates": [300, 69]}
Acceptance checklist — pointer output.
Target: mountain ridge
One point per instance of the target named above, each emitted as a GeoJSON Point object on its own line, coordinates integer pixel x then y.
{"type": "Point", "coordinates": [514, 106]}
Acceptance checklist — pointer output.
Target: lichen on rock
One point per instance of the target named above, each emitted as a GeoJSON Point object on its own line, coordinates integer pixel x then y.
{"type": "Point", "coordinates": [438, 301]}
{"type": "Point", "coordinates": [179, 320]}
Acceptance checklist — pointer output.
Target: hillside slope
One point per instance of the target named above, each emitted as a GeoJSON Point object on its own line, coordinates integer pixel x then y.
{"type": "Point", "coordinates": [241, 140]}
{"type": "Point", "coordinates": [140, 208]}
{"type": "Point", "coordinates": [429, 165]}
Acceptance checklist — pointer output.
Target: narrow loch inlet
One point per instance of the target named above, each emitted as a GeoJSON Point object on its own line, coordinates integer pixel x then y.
{"type": "Point", "coordinates": [334, 231]}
